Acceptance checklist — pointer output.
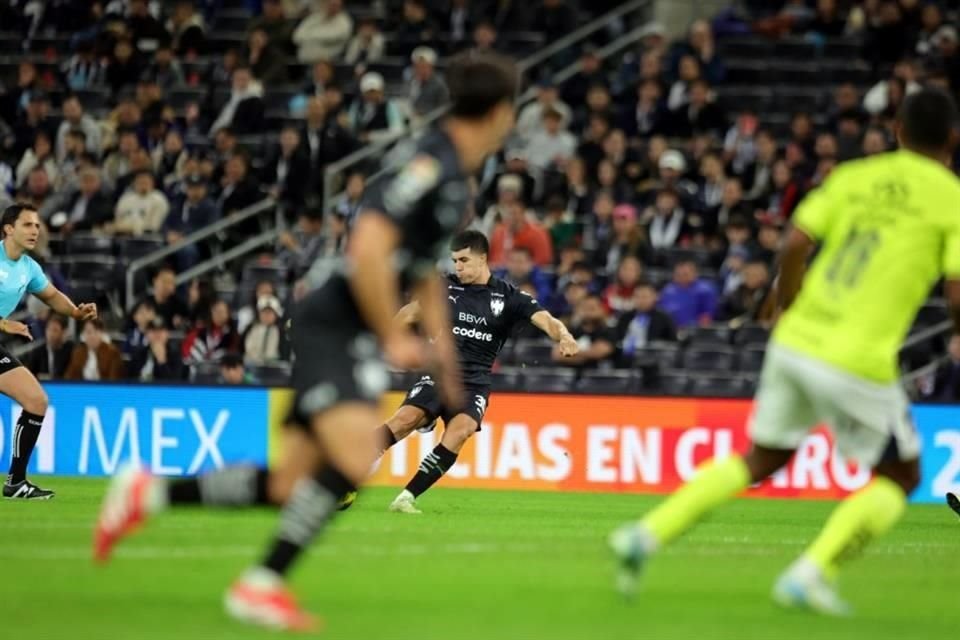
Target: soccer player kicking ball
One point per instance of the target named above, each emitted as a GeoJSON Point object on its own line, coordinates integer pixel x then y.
{"type": "Point", "coordinates": [484, 311]}
{"type": "Point", "coordinates": [19, 274]}
{"type": "Point", "coordinates": [339, 329]}
{"type": "Point", "coordinates": [888, 228]}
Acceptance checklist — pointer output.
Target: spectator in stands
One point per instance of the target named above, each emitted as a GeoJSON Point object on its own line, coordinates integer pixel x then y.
{"type": "Point", "coordinates": [428, 92]}
{"type": "Point", "coordinates": [326, 140]}
{"type": "Point", "coordinates": [200, 297]}
{"type": "Point", "coordinates": [50, 361]}
{"type": "Point", "coordinates": [233, 371]}
{"type": "Point", "coordinates": [213, 337]}
{"type": "Point", "coordinates": [759, 177]}
{"type": "Point", "coordinates": [170, 159]}
{"type": "Point", "coordinates": [627, 238]}
{"type": "Point", "coordinates": [509, 15]}
{"type": "Point", "coordinates": [849, 137]}
{"type": "Point", "coordinates": [287, 174]}
{"type": "Point", "coordinates": [322, 79]}
{"type": "Point", "coordinates": [238, 189]}
{"type": "Point", "coordinates": [118, 163]}
{"type": "Point", "coordinates": [274, 22]}
{"type": "Point", "coordinates": [731, 206]}
{"type": "Point", "coordinates": [142, 209]}
{"type": "Point", "coordinates": [75, 118]}
{"type": "Point", "coordinates": [265, 340]}
{"type": "Point", "coordinates": [248, 313]}
{"type": "Point", "coordinates": [83, 70]}
{"type": "Point", "coordinates": [931, 21]}
{"type": "Point", "coordinates": [139, 161]}
{"type": "Point", "coordinates": [530, 119]}
{"type": "Point", "coordinates": [520, 269]}
{"type": "Point", "coordinates": [786, 192]}
{"type": "Point", "coordinates": [36, 118]}
{"type": "Point", "coordinates": [40, 156]}
{"type": "Point", "coordinates": [550, 146]}
{"type": "Point", "coordinates": [165, 70]}
{"type": "Point", "coordinates": [699, 115]}
{"type": "Point", "coordinates": [874, 142]}
{"type": "Point", "coordinates": [517, 165]}
{"type": "Point", "coordinates": [591, 74]}
{"type": "Point", "coordinates": [38, 191]}
{"type": "Point", "coordinates": [649, 116]}
{"type": "Point", "coordinates": [298, 249]}
{"type": "Point", "coordinates": [598, 228]}
{"type": "Point", "coordinates": [367, 45]}
{"type": "Point", "coordinates": [519, 230]}
{"type": "Point", "coordinates": [324, 33]}
{"type": "Point", "coordinates": [575, 188]}
{"type": "Point", "coordinates": [147, 32]}
{"type": "Point", "coordinates": [373, 116]}
{"type": "Point", "coordinates": [768, 238]}
{"type": "Point", "coordinates": [143, 314]}
{"type": "Point", "coordinates": [188, 30]}
{"type": "Point", "coordinates": [828, 21]}
{"type": "Point", "coordinates": [349, 204]}
{"type": "Point", "coordinates": [668, 224]}
{"type": "Point", "coordinates": [190, 212]}
{"type": "Point", "coordinates": [744, 303]}
{"type": "Point", "coordinates": [416, 29]}
{"type": "Point", "coordinates": [713, 176]}
{"type": "Point", "coordinates": [167, 303]}
{"type": "Point", "coordinates": [905, 78]}
{"type": "Point", "coordinates": [266, 60]}
{"type": "Point", "coordinates": [689, 300]}
{"type": "Point", "coordinates": [645, 323]}
{"type": "Point", "coordinates": [15, 98]}
{"type": "Point", "coordinates": [243, 112]}
{"type": "Point", "coordinates": [457, 19]}
{"type": "Point", "coordinates": [560, 222]}
{"type": "Point", "coordinates": [94, 358]}
{"type": "Point", "coordinates": [688, 72]}
{"type": "Point", "coordinates": [701, 46]}
{"type": "Point", "coordinates": [158, 360]}
{"type": "Point", "coordinates": [86, 209]}
{"type": "Point", "coordinates": [596, 339]}
{"type": "Point", "coordinates": [888, 39]}
{"type": "Point", "coordinates": [609, 178]}
{"type": "Point", "coordinates": [484, 37]}
{"type": "Point", "coordinates": [509, 188]}
{"type": "Point", "coordinates": [125, 67]}
{"type": "Point", "coordinates": [619, 295]}
{"type": "Point", "coordinates": [72, 161]}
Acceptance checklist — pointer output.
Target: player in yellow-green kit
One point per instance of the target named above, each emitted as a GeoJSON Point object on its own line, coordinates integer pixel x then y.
{"type": "Point", "coordinates": [888, 228]}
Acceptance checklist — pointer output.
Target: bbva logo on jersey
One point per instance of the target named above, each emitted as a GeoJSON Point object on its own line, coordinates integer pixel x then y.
{"type": "Point", "coordinates": [496, 306]}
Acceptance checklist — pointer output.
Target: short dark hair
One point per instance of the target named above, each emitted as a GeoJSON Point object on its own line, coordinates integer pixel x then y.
{"type": "Point", "coordinates": [926, 119]}
{"type": "Point", "coordinates": [61, 320]}
{"type": "Point", "coordinates": [478, 82]}
{"type": "Point", "coordinates": [77, 133]}
{"type": "Point", "coordinates": [231, 361]}
{"type": "Point", "coordinates": [470, 239]}
{"type": "Point", "coordinates": [12, 213]}
{"type": "Point", "coordinates": [164, 268]}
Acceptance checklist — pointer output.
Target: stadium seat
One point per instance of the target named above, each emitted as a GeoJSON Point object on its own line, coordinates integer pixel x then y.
{"type": "Point", "coordinates": [673, 384]}
{"type": "Point", "coordinates": [719, 386]}
{"type": "Point", "coordinates": [131, 248]}
{"type": "Point", "coordinates": [539, 380]}
{"type": "Point", "coordinates": [710, 358]}
{"type": "Point", "coordinates": [99, 271]}
{"type": "Point", "coordinates": [932, 313]}
{"type": "Point", "coordinates": [89, 244]}
{"type": "Point", "coordinates": [276, 374]}
{"type": "Point", "coordinates": [795, 49]}
{"type": "Point", "coordinates": [659, 354]}
{"type": "Point", "coordinates": [751, 358]}
{"type": "Point", "coordinates": [608, 382]}
{"type": "Point", "coordinates": [533, 352]}
{"type": "Point", "coordinates": [751, 334]}
{"type": "Point", "coordinates": [712, 335]}
{"type": "Point", "coordinates": [506, 379]}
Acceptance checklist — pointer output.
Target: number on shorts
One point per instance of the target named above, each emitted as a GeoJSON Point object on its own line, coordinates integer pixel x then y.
{"type": "Point", "coordinates": [847, 266]}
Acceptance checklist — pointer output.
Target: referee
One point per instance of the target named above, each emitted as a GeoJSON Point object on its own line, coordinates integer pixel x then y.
{"type": "Point", "coordinates": [19, 274]}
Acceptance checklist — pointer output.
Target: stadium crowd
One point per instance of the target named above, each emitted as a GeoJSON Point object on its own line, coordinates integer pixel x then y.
{"type": "Point", "coordinates": [634, 200]}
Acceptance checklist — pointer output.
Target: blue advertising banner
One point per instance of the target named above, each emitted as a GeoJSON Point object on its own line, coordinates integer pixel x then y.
{"type": "Point", "coordinates": [91, 429]}
{"type": "Point", "coordinates": [939, 426]}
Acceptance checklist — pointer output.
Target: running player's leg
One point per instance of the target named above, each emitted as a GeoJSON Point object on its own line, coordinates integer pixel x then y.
{"type": "Point", "coordinates": [783, 415]}
{"type": "Point", "coordinates": [870, 423]}
{"type": "Point", "coordinates": [135, 496]}
{"type": "Point", "coordinates": [18, 383]}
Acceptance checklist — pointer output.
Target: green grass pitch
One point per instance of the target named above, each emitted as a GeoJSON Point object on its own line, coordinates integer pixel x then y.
{"type": "Point", "coordinates": [476, 565]}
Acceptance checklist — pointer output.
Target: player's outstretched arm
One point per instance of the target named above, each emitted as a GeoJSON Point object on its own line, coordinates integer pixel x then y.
{"type": "Point", "coordinates": [793, 264]}
{"type": "Point", "coordinates": [557, 331]}
{"type": "Point", "coordinates": [60, 303]}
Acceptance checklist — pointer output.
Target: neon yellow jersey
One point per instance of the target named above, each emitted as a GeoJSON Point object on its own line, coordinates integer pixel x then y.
{"type": "Point", "coordinates": [888, 227]}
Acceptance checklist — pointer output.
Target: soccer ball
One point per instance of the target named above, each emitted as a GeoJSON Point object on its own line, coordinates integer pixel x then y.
{"type": "Point", "coordinates": [347, 501]}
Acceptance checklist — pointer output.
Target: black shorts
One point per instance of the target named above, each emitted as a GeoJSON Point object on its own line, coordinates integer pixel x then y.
{"type": "Point", "coordinates": [332, 366]}
{"type": "Point", "coordinates": [8, 361]}
{"type": "Point", "coordinates": [424, 395]}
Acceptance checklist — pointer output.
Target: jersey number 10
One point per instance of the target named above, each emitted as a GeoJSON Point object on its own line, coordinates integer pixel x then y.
{"type": "Point", "coordinates": [848, 264]}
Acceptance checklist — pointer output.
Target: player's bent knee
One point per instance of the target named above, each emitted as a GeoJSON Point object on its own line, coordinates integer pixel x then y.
{"type": "Point", "coordinates": [35, 401]}
{"type": "Point", "coordinates": [406, 420]}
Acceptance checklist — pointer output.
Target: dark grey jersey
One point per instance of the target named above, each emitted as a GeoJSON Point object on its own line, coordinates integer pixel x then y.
{"type": "Point", "coordinates": [483, 317]}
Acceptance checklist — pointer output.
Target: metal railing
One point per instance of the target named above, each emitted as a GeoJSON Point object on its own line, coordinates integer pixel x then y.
{"type": "Point", "coordinates": [910, 378]}
{"type": "Point", "coordinates": [210, 230]}
{"type": "Point", "coordinates": [222, 258]}
{"type": "Point", "coordinates": [336, 169]}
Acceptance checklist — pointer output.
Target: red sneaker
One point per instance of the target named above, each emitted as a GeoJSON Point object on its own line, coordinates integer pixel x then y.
{"type": "Point", "coordinates": [269, 605]}
{"type": "Point", "coordinates": [124, 509]}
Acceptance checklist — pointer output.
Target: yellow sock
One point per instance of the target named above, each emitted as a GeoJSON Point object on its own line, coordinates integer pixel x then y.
{"type": "Point", "coordinates": [860, 518]}
{"type": "Point", "coordinates": [715, 483]}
